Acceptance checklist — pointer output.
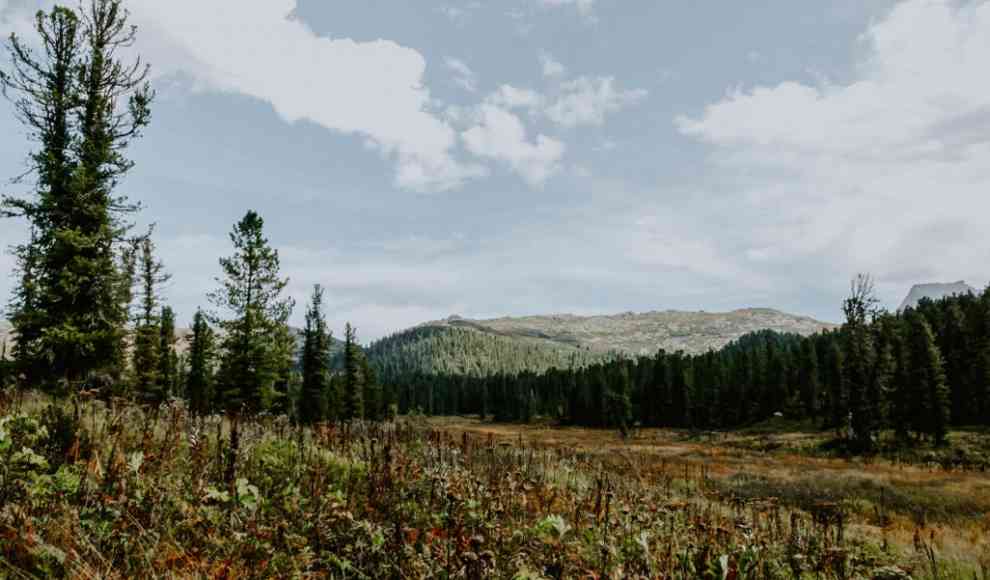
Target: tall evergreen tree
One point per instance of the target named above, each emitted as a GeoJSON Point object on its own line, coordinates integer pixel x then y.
{"type": "Point", "coordinates": [931, 411]}
{"type": "Point", "coordinates": [372, 391]}
{"type": "Point", "coordinates": [353, 381]}
{"type": "Point", "coordinates": [808, 378]}
{"type": "Point", "coordinates": [251, 292]}
{"type": "Point", "coordinates": [84, 105]}
{"type": "Point", "coordinates": [958, 361]}
{"type": "Point", "coordinates": [834, 386]}
{"type": "Point", "coordinates": [5, 365]}
{"type": "Point", "coordinates": [168, 360]}
{"type": "Point", "coordinates": [619, 403]}
{"type": "Point", "coordinates": [315, 361]}
{"type": "Point", "coordinates": [859, 308]}
{"type": "Point", "coordinates": [199, 380]}
{"type": "Point", "coordinates": [147, 332]}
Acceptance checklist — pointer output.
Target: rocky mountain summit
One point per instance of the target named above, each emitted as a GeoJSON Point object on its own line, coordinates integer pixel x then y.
{"type": "Point", "coordinates": [934, 291]}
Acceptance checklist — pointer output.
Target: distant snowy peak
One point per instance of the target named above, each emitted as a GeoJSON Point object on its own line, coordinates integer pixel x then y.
{"type": "Point", "coordinates": [934, 292]}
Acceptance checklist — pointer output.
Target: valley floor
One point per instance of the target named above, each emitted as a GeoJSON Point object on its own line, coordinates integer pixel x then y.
{"type": "Point", "coordinates": [90, 489]}
{"type": "Point", "coordinates": [906, 502]}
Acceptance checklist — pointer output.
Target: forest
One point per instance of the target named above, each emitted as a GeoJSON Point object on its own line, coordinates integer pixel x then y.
{"type": "Point", "coordinates": [915, 373]}
{"type": "Point", "coordinates": [87, 312]}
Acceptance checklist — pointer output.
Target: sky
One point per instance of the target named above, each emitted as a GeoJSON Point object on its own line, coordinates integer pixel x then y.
{"type": "Point", "coordinates": [510, 157]}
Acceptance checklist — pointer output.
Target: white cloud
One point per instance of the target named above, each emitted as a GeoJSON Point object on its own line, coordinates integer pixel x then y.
{"type": "Point", "coordinates": [551, 67]}
{"type": "Point", "coordinates": [888, 173]}
{"type": "Point", "coordinates": [511, 97]}
{"type": "Point", "coordinates": [577, 102]}
{"type": "Point", "coordinates": [372, 89]}
{"type": "Point", "coordinates": [501, 135]}
{"type": "Point", "coordinates": [586, 101]}
{"type": "Point", "coordinates": [585, 8]}
{"type": "Point", "coordinates": [464, 77]}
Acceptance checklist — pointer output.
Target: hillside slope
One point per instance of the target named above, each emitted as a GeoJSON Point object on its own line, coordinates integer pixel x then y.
{"type": "Point", "coordinates": [461, 346]}
{"type": "Point", "coordinates": [448, 350]}
{"type": "Point", "coordinates": [691, 332]}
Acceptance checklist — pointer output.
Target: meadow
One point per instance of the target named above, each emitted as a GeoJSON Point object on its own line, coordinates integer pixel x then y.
{"type": "Point", "coordinates": [107, 489]}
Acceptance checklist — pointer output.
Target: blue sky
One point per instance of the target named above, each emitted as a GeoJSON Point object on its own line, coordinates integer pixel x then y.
{"type": "Point", "coordinates": [509, 157]}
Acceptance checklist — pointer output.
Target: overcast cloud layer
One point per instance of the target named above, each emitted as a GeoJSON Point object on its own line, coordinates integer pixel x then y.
{"type": "Point", "coordinates": [535, 156]}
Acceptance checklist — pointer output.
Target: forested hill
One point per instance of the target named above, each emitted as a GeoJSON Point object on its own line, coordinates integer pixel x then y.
{"type": "Point", "coordinates": [645, 333]}
{"type": "Point", "coordinates": [459, 346]}
{"type": "Point", "coordinates": [452, 350]}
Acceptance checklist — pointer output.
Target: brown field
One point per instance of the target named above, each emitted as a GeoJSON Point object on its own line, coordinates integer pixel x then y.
{"type": "Point", "coordinates": [902, 504]}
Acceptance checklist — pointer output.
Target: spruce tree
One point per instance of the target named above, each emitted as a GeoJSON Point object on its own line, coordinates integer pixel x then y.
{"type": "Point", "coordinates": [30, 360]}
{"type": "Point", "coordinates": [372, 394]}
{"type": "Point", "coordinates": [4, 365]}
{"type": "Point", "coordinates": [147, 333]}
{"type": "Point", "coordinates": [619, 404]}
{"type": "Point", "coordinates": [202, 352]}
{"type": "Point", "coordinates": [834, 386]}
{"type": "Point", "coordinates": [860, 356]}
{"type": "Point", "coordinates": [958, 360]}
{"type": "Point", "coordinates": [808, 379]}
{"type": "Point", "coordinates": [315, 361]}
{"type": "Point", "coordinates": [168, 360]}
{"type": "Point", "coordinates": [353, 381]}
{"type": "Point", "coordinates": [931, 410]}
{"type": "Point", "coordinates": [251, 293]}
{"type": "Point", "coordinates": [83, 105]}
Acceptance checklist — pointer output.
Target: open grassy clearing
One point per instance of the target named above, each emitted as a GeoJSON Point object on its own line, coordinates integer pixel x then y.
{"type": "Point", "coordinates": [109, 490]}
{"type": "Point", "coordinates": [901, 504]}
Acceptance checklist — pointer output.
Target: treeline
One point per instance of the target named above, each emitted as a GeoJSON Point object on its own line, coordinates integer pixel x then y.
{"type": "Point", "coordinates": [86, 312]}
{"type": "Point", "coordinates": [914, 373]}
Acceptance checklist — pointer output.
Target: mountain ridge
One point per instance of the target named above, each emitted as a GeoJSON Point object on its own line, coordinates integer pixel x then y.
{"type": "Point", "coordinates": [641, 333]}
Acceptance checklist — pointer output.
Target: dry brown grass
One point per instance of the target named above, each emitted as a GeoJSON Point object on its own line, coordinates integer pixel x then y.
{"type": "Point", "coordinates": [900, 502]}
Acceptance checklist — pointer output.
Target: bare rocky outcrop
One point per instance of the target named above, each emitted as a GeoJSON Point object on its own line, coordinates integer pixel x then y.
{"type": "Point", "coordinates": [934, 291]}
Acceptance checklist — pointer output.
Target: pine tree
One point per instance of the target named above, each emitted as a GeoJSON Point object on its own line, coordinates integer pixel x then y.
{"type": "Point", "coordinates": [353, 381]}
{"type": "Point", "coordinates": [251, 291]}
{"type": "Point", "coordinates": [28, 320]}
{"type": "Point", "coordinates": [958, 361]}
{"type": "Point", "coordinates": [147, 331]}
{"type": "Point", "coordinates": [4, 365]}
{"type": "Point", "coordinates": [168, 361]}
{"type": "Point", "coordinates": [282, 357]}
{"type": "Point", "coordinates": [619, 404]}
{"type": "Point", "coordinates": [860, 357]}
{"type": "Point", "coordinates": [834, 385]}
{"type": "Point", "coordinates": [315, 361]}
{"type": "Point", "coordinates": [931, 411]}
{"type": "Point", "coordinates": [84, 106]}
{"type": "Point", "coordinates": [808, 379]}
{"type": "Point", "coordinates": [372, 394]}
{"type": "Point", "coordinates": [202, 351]}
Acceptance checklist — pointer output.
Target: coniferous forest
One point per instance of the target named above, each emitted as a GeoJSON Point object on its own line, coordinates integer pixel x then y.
{"type": "Point", "coordinates": [915, 373]}
{"type": "Point", "coordinates": [245, 448]}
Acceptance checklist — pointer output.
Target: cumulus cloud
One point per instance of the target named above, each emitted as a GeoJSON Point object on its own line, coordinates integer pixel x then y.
{"type": "Point", "coordinates": [371, 89]}
{"type": "Point", "coordinates": [464, 77]}
{"type": "Point", "coordinates": [886, 173]}
{"type": "Point", "coordinates": [500, 135]}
